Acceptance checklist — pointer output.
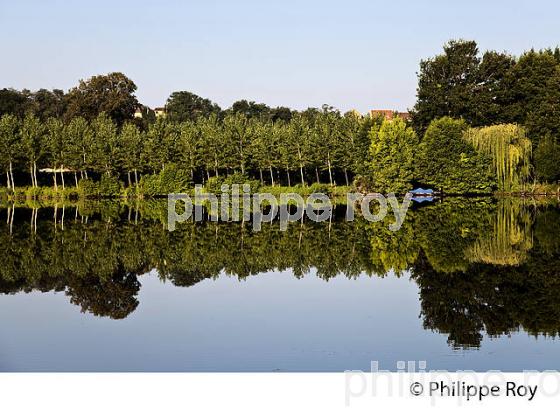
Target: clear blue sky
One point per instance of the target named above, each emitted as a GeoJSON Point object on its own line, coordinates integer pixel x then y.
{"type": "Point", "coordinates": [350, 54]}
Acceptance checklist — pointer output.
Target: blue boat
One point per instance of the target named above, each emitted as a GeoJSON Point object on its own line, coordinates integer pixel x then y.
{"type": "Point", "coordinates": [422, 192]}
{"type": "Point", "coordinates": [421, 199]}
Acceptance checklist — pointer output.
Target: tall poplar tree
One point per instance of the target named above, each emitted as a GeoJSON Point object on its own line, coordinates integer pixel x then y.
{"type": "Point", "coordinates": [392, 156]}
{"type": "Point", "coordinates": [33, 143]}
{"type": "Point", "coordinates": [10, 146]}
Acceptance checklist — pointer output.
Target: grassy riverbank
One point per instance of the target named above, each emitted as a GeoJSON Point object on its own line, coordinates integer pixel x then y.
{"type": "Point", "coordinates": [535, 190]}
{"type": "Point", "coordinates": [81, 192]}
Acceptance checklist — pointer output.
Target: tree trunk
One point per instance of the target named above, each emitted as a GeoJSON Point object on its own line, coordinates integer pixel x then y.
{"type": "Point", "coordinates": [54, 180]}
{"type": "Point", "coordinates": [136, 176]}
{"type": "Point", "coordinates": [346, 176]}
{"type": "Point", "coordinates": [12, 218]}
{"type": "Point", "coordinates": [288, 174]}
{"type": "Point", "coordinates": [216, 165]}
{"type": "Point", "coordinates": [271, 175]}
{"type": "Point", "coordinates": [62, 176]}
{"type": "Point", "coordinates": [8, 181]}
{"type": "Point", "coordinates": [12, 176]}
{"type": "Point", "coordinates": [317, 175]}
{"type": "Point", "coordinates": [329, 165]}
{"type": "Point", "coordinates": [76, 179]}
{"type": "Point", "coordinates": [128, 176]}
{"type": "Point", "coordinates": [35, 173]}
{"type": "Point", "coordinates": [301, 174]}
{"type": "Point", "coordinates": [34, 219]}
{"type": "Point", "coordinates": [31, 174]}
{"type": "Point", "coordinates": [261, 175]}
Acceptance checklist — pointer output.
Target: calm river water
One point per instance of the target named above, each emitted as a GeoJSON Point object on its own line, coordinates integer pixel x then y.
{"type": "Point", "coordinates": [103, 286]}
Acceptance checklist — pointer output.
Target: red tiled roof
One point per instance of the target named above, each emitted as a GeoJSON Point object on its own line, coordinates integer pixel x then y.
{"type": "Point", "coordinates": [389, 114]}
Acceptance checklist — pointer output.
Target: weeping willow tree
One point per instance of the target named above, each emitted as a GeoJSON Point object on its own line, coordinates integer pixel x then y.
{"type": "Point", "coordinates": [510, 238]}
{"type": "Point", "coordinates": [510, 150]}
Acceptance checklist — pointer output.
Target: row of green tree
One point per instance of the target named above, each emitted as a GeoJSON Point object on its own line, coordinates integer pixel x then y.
{"type": "Point", "coordinates": [314, 146]}
{"type": "Point", "coordinates": [114, 94]}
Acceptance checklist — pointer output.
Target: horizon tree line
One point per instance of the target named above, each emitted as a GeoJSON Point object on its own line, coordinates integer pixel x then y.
{"type": "Point", "coordinates": [92, 131]}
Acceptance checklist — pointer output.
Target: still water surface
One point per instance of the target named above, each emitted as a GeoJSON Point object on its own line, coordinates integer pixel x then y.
{"type": "Point", "coordinates": [465, 284]}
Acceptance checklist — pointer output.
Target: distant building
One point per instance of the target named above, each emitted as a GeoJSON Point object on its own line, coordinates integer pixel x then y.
{"type": "Point", "coordinates": [160, 112]}
{"type": "Point", "coordinates": [138, 113]}
{"type": "Point", "coordinates": [390, 114]}
{"type": "Point", "coordinates": [405, 116]}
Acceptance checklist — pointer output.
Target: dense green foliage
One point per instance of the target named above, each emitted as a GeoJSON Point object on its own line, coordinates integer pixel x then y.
{"type": "Point", "coordinates": [170, 179]}
{"type": "Point", "coordinates": [43, 103]}
{"type": "Point", "coordinates": [252, 109]}
{"type": "Point", "coordinates": [490, 89]}
{"type": "Point", "coordinates": [392, 156]}
{"type": "Point", "coordinates": [445, 160]}
{"type": "Point", "coordinates": [547, 160]}
{"type": "Point", "coordinates": [447, 83]}
{"type": "Point", "coordinates": [493, 89]}
{"type": "Point", "coordinates": [112, 94]}
{"type": "Point", "coordinates": [184, 105]}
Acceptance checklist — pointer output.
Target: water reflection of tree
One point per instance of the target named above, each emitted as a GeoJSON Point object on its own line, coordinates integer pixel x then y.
{"type": "Point", "coordinates": [393, 251]}
{"type": "Point", "coordinates": [96, 260]}
{"type": "Point", "coordinates": [447, 230]}
{"type": "Point", "coordinates": [91, 262]}
{"type": "Point", "coordinates": [115, 298]}
{"type": "Point", "coordinates": [547, 229]}
{"type": "Point", "coordinates": [512, 282]}
{"type": "Point", "coordinates": [510, 236]}
{"type": "Point", "coordinates": [477, 265]}
{"type": "Point", "coordinates": [495, 299]}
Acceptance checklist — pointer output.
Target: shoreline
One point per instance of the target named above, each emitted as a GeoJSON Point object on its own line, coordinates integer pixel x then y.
{"type": "Point", "coordinates": [73, 195]}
